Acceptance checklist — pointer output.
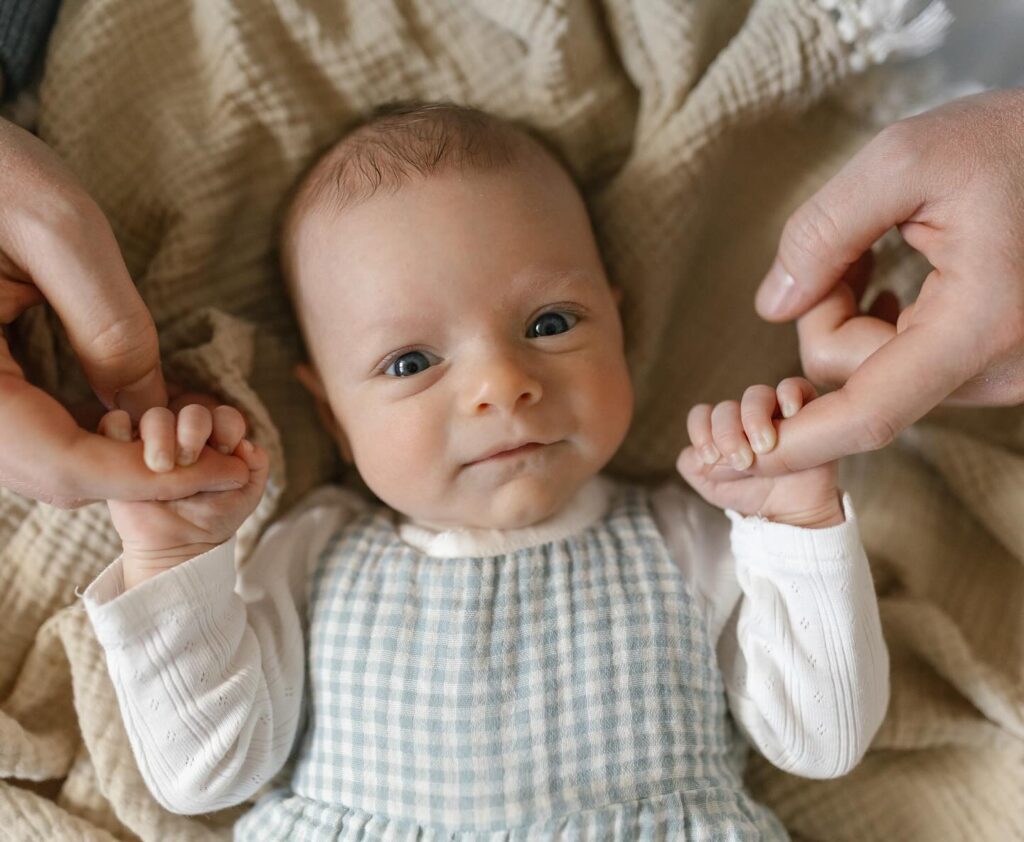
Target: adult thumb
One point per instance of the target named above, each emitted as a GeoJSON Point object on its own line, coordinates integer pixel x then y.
{"type": "Point", "coordinates": [828, 233]}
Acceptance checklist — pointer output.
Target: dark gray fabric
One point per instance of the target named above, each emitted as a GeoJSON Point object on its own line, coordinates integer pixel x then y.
{"type": "Point", "coordinates": [24, 28]}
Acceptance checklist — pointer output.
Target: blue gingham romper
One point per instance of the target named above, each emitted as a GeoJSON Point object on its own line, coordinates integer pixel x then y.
{"type": "Point", "coordinates": [565, 691]}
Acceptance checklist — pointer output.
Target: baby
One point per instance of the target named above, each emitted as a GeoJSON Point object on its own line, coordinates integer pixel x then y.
{"type": "Point", "coordinates": [507, 643]}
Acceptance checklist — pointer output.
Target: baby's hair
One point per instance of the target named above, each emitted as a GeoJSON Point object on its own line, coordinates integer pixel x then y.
{"type": "Point", "coordinates": [395, 143]}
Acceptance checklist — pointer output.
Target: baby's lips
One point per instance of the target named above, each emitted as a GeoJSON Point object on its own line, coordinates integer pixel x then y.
{"type": "Point", "coordinates": [225, 486]}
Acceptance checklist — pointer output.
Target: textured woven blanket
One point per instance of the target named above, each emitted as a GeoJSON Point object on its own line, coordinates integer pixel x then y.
{"type": "Point", "coordinates": [694, 128]}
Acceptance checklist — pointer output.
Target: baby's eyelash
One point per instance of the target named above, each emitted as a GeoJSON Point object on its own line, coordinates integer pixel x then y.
{"type": "Point", "coordinates": [394, 355]}
{"type": "Point", "coordinates": [572, 309]}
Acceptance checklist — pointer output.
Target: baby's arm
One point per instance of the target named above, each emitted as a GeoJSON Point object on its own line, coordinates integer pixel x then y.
{"type": "Point", "coordinates": [795, 619]}
{"type": "Point", "coordinates": [802, 655]}
{"type": "Point", "coordinates": [209, 669]}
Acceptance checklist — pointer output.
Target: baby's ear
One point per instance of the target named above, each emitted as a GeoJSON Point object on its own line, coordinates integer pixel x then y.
{"type": "Point", "coordinates": [311, 380]}
{"type": "Point", "coordinates": [314, 385]}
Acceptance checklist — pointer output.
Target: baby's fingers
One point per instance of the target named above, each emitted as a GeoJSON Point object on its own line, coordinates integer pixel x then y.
{"type": "Point", "coordinates": [756, 409]}
{"type": "Point", "coordinates": [157, 431]}
{"type": "Point", "coordinates": [258, 461]}
{"type": "Point", "coordinates": [228, 428]}
{"type": "Point", "coordinates": [116, 424]}
{"type": "Point", "coordinates": [793, 393]}
{"type": "Point", "coordinates": [195, 423]}
{"type": "Point", "coordinates": [729, 437]}
{"type": "Point", "coordinates": [698, 427]}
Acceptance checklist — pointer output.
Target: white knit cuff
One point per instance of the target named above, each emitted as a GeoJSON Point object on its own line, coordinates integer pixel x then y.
{"type": "Point", "coordinates": [756, 539]}
{"type": "Point", "coordinates": [118, 615]}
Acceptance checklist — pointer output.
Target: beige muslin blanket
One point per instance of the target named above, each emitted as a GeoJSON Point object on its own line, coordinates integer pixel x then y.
{"type": "Point", "coordinates": [695, 128]}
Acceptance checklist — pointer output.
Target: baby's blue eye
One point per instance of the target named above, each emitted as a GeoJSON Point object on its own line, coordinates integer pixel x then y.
{"type": "Point", "coordinates": [548, 324]}
{"type": "Point", "coordinates": [408, 364]}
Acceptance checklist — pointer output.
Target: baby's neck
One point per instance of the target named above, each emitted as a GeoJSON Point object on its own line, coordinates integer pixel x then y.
{"type": "Point", "coordinates": [586, 506]}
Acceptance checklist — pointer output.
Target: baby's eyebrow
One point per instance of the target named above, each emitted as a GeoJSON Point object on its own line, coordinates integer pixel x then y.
{"type": "Point", "coordinates": [533, 281]}
{"type": "Point", "coordinates": [392, 323]}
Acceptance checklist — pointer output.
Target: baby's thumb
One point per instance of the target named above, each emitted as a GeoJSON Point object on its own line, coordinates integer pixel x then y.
{"type": "Point", "coordinates": [258, 462]}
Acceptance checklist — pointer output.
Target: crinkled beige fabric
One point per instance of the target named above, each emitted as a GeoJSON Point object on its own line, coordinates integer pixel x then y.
{"type": "Point", "coordinates": [695, 128]}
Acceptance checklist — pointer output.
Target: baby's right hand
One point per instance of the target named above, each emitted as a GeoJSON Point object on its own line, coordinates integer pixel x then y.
{"type": "Point", "coordinates": [159, 534]}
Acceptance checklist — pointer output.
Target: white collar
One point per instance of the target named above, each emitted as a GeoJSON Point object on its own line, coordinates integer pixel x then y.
{"type": "Point", "coordinates": [588, 504]}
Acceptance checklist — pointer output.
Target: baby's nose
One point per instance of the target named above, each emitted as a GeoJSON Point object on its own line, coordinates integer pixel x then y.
{"type": "Point", "coordinates": [501, 383]}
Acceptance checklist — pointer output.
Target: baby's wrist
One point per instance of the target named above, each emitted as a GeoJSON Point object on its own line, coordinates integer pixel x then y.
{"type": "Point", "coordinates": [138, 565]}
{"type": "Point", "coordinates": [828, 513]}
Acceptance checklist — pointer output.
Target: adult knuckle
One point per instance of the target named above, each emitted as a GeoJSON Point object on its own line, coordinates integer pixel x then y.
{"type": "Point", "coordinates": [812, 232]}
{"type": "Point", "coordinates": [121, 336]}
{"type": "Point", "coordinates": [900, 145]}
{"type": "Point", "coordinates": [874, 431]}
{"type": "Point", "coordinates": [817, 365]}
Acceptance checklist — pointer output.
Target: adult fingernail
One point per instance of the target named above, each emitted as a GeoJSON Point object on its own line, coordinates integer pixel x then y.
{"type": "Point", "coordinates": [777, 291]}
{"type": "Point", "coordinates": [139, 396]}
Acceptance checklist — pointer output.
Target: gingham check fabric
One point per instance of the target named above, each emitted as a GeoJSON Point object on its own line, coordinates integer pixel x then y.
{"type": "Point", "coordinates": [563, 691]}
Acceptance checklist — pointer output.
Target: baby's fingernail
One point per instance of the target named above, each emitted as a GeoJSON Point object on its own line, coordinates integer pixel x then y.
{"type": "Point", "coordinates": [763, 441]}
{"type": "Point", "coordinates": [788, 409]}
{"type": "Point", "coordinates": [709, 453]}
{"type": "Point", "coordinates": [121, 434]}
{"type": "Point", "coordinates": [223, 448]}
{"type": "Point", "coordinates": [160, 461]}
{"type": "Point", "coordinates": [246, 447]}
{"type": "Point", "coordinates": [741, 459]}
{"type": "Point", "coordinates": [186, 457]}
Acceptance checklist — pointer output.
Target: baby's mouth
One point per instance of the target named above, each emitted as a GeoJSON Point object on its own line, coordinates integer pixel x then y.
{"type": "Point", "coordinates": [511, 453]}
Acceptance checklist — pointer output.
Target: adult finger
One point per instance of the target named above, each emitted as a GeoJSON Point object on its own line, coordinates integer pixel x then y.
{"type": "Point", "coordinates": [63, 244]}
{"type": "Point", "coordinates": [894, 387]}
{"type": "Point", "coordinates": [59, 463]}
{"type": "Point", "coordinates": [835, 339]}
{"type": "Point", "coordinates": [15, 298]}
{"type": "Point", "coordinates": [828, 233]}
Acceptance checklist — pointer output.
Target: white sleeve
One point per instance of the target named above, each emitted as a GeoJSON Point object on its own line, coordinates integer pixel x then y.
{"type": "Point", "coordinates": [799, 643]}
{"type": "Point", "coordinates": [208, 664]}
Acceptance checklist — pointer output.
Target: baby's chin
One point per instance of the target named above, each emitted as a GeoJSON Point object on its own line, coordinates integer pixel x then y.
{"type": "Point", "coordinates": [517, 503]}
{"type": "Point", "coordinates": [524, 501]}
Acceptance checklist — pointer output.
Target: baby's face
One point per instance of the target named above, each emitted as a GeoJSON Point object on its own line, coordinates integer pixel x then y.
{"type": "Point", "coordinates": [463, 314]}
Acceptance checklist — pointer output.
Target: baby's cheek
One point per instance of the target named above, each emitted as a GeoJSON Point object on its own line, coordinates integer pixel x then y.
{"type": "Point", "coordinates": [609, 403]}
{"type": "Point", "coordinates": [396, 458]}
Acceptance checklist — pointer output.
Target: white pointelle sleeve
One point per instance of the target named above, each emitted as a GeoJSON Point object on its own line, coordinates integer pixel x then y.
{"type": "Point", "coordinates": [795, 618]}
{"type": "Point", "coordinates": [208, 663]}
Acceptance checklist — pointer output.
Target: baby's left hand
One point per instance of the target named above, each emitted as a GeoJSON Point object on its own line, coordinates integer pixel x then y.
{"type": "Point", "coordinates": [721, 464]}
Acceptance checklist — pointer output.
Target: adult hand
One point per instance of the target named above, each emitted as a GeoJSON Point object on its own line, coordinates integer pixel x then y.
{"type": "Point", "coordinates": [56, 244]}
{"type": "Point", "coordinates": [952, 180]}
